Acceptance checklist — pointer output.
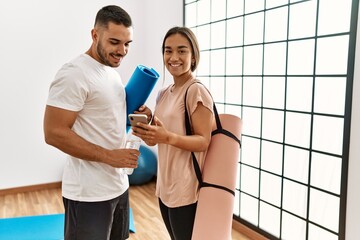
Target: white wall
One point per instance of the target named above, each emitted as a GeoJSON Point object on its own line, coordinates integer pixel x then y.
{"type": "Point", "coordinates": [353, 195]}
{"type": "Point", "coordinates": [37, 37]}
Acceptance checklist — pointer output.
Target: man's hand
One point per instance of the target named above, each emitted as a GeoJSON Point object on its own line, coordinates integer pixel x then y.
{"type": "Point", "coordinates": [143, 109]}
{"type": "Point", "coordinates": [123, 158]}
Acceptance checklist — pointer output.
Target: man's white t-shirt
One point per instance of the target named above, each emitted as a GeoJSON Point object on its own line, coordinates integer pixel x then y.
{"type": "Point", "coordinates": [96, 92]}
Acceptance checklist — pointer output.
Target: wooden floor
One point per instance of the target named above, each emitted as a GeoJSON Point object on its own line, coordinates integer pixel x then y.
{"type": "Point", "coordinates": [147, 218]}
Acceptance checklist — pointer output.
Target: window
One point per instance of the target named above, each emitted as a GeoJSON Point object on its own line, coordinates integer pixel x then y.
{"type": "Point", "coordinates": [285, 67]}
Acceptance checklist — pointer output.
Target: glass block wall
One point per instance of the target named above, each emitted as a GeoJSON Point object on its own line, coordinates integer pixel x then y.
{"type": "Point", "coordinates": [286, 68]}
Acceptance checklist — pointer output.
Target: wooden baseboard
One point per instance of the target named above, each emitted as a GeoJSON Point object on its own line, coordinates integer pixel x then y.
{"type": "Point", "coordinates": [248, 232]}
{"type": "Point", "coordinates": [30, 188]}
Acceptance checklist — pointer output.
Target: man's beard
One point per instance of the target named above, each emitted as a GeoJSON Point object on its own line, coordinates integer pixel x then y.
{"type": "Point", "coordinates": [102, 55]}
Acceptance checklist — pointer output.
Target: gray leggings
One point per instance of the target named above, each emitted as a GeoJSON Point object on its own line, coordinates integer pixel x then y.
{"type": "Point", "coordinates": [106, 220]}
{"type": "Point", "coordinates": [179, 221]}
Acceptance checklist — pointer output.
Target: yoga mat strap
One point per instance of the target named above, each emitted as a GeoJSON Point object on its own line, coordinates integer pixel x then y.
{"type": "Point", "coordinates": [205, 184]}
{"type": "Point", "coordinates": [219, 130]}
{"type": "Point", "coordinates": [227, 133]}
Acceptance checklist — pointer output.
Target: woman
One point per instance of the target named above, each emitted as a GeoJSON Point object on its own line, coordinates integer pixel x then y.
{"type": "Point", "coordinates": [177, 185]}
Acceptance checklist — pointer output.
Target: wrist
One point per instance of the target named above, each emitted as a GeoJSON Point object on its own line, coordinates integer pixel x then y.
{"type": "Point", "coordinates": [171, 139]}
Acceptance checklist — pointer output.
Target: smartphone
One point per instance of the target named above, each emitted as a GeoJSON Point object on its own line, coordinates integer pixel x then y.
{"type": "Point", "coordinates": [135, 118]}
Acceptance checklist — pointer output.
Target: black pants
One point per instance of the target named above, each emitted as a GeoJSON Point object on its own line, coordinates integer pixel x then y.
{"type": "Point", "coordinates": [97, 220]}
{"type": "Point", "coordinates": [179, 221]}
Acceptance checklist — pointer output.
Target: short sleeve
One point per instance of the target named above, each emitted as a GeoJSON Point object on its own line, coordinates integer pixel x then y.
{"type": "Point", "coordinates": [197, 93]}
{"type": "Point", "coordinates": [69, 89]}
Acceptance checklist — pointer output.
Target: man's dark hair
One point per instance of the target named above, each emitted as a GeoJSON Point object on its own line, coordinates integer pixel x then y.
{"type": "Point", "coordinates": [114, 14]}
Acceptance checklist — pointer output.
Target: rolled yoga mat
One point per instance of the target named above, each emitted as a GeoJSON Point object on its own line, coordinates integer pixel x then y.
{"type": "Point", "coordinates": [214, 213]}
{"type": "Point", "coordinates": [138, 89]}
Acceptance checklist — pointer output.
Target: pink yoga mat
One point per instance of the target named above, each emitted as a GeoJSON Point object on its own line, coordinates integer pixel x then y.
{"type": "Point", "coordinates": [214, 213]}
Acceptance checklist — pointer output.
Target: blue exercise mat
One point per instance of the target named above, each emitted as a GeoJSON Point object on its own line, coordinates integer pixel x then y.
{"type": "Point", "coordinates": [132, 225]}
{"type": "Point", "coordinates": [138, 88]}
{"type": "Point", "coordinates": [42, 227]}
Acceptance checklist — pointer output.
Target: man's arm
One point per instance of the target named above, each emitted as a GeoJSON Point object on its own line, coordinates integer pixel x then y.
{"type": "Point", "coordinates": [58, 133]}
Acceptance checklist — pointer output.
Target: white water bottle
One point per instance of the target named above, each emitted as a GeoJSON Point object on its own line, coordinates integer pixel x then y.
{"type": "Point", "coordinates": [132, 143]}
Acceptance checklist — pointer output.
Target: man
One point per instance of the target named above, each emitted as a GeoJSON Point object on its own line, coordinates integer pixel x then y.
{"type": "Point", "coordinates": [85, 117]}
